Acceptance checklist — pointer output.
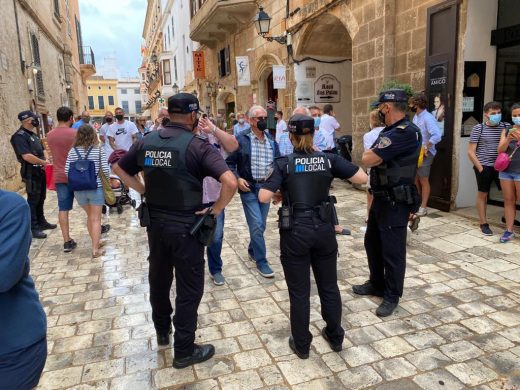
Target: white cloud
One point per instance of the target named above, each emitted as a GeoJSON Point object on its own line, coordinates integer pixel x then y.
{"type": "Point", "coordinates": [114, 27]}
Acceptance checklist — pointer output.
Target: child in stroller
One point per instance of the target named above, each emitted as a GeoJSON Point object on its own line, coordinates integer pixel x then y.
{"type": "Point", "coordinates": [121, 191]}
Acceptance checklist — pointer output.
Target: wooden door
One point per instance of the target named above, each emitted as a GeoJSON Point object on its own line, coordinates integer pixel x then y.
{"type": "Point", "coordinates": [441, 58]}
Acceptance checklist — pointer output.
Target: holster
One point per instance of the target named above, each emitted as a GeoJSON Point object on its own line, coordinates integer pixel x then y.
{"type": "Point", "coordinates": [406, 194]}
{"type": "Point", "coordinates": [326, 212]}
{"type": "Point", "coordinates": [204, 229]}
{"type": "Point", "coordinates": [143, 213]}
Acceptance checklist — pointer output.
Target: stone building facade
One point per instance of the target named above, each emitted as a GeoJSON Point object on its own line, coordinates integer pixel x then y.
{"type": "Point", "coordinates": [354, 47]}
{"type": "Point", "coordinates": [40, 69]}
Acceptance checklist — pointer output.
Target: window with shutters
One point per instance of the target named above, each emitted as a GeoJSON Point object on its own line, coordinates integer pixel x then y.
{"type": "Point", "coordinates": [138, 107]}
{"type": "Point", "coordinates": [124, 103]}
{"type": "Point", "coordinates": [110, 100]}
{"type": "Point", "coordinates": [101, 102]}
{"type": "Point", "coordinates": [175, 67]}
{"type": "Point", "coordinates": [40, 91]}
{"type": "Point", "coordinates": [91, 102]}
{"type": "Point", "coordinates": [167, 74]}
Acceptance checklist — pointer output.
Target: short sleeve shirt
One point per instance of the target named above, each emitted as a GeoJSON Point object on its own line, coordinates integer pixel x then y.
{"type": "Point", "coordinates": [328, 125]}
{"type": "Point", "coordinates": [25, 141]}
{"type": "Point", "coordinates": [394, 142]}
{"type": "Point", "coordinates": [487, 139]}
{"type": "Point", "coordinates": [202, 158]}
{"type": "Point", "coordinates": [340, 168]}
{"type": "Point", "coordinates": [122, 134]}
{"type": "Point", "coordinates": [60, 141]}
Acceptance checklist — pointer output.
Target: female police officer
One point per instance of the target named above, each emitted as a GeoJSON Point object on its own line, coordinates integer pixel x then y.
{"type": "Point", "coordinates": [307, 237]}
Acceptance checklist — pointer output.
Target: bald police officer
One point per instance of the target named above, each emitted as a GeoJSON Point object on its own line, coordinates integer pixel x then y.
{"type": "Point", "coordinates": [28, 148]}
{"type": "Point", "coordinates": [175, 162]}
{"type": "Point", "coordinates": [307, 237]}
{"type": "Point", "coordinates": [393, 161]}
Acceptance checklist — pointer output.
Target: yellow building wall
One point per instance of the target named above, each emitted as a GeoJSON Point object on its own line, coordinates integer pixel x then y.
{"type": "Point", "coordinates": [104, 88]}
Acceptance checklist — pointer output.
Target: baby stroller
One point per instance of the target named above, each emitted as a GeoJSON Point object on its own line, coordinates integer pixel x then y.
{"type": "Point", "coordinates": [121, 191]}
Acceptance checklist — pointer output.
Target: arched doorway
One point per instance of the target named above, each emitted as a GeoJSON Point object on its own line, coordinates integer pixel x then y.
{"type": "Point", "coordinates": [226, 104]}
{"type": "Point", "coordinates": [323, 68]}
{"type": "Point", "coordinates": [264, 90]}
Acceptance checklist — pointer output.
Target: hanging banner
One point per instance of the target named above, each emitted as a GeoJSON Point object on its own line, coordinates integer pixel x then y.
{"type": "Point", "coordinates": [198, 64]}
{"type": "Point", "coordinates": [244, 78]}
{"type": "Point", "coordinates": [279, 79]}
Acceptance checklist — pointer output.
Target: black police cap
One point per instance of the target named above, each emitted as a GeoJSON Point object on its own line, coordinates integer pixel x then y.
{"type": "Point", "coordinates": [391, 96]}
{"type": "Point", "coordinates": [25, 115]}
{"type": "Point", "coordinates": [300, 124]}
{"type": "Point", "coordinates": [183, 103]}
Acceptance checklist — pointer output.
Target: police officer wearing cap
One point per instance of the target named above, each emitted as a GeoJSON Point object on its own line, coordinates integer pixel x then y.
{"type": "Point", "coordinates": [29, 152]}
{"type": "Point", "coordinates": [307, 237]}
{"type": "Point", "coordinates": [175, 162]}
{"type": "Point", "coordinates": [393, 161]}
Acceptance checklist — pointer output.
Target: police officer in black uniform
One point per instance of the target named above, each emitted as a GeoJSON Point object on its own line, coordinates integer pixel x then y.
{"type": "Point", "coordinates": [307, 237]}
{"type": "Point", "coordinates": [175, 163]}
{"type": "Point", "coordinates": [393, 159]}
{"type": "Point", "coordinates": [29, 152]}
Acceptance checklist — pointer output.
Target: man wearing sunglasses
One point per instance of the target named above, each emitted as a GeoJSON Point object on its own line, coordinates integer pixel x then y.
{"type": "Point", "coordinates": [252, 164]}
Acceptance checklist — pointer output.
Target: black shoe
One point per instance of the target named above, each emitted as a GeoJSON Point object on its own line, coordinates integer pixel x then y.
{"type": "Point", "coordinates": [484, 228]}
{"type": "Point", "coordinates": [164, 338]}
{"type": "Point", "coordinates": [386, 308]}
{"type": "Point", "coordinates": [69, 246]}
{"type": "Point", "coordinates": [46, 225]}
{"type": "Point", "coordinates": [515, 223]}
{"type": "Point", "coordinates": [301, 355]}
{"type": "Point", "coordinates": [200, 354]}
{"type": "Point", "coordinates": [367, 288]}
{"type": "Point", "coordinates": [334, 347]}
{"type": "Point", "coordinates": [37, 233]}
{"type": "Point", "coordinates": [105, 228]}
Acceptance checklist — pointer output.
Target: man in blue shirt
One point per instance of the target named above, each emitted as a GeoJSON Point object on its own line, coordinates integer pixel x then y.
{"type": "Point", "coordinates": [241, 125]}
{"type": "Point", "coordinates": [431, 135]}
{"type": "Point", "coordinates": [85, 120]}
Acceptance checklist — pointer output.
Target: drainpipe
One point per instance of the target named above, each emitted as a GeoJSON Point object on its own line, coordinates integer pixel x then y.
{"type": "Point", "coordinates": [22, 62]}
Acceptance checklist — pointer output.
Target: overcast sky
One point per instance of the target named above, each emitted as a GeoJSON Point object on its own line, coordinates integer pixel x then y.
{"type": "Point", "coordinates": [114, 28]}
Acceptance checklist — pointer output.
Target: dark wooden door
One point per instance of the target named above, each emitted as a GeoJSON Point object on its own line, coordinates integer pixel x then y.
{"type": "Point", "coordinates": [441, 57]}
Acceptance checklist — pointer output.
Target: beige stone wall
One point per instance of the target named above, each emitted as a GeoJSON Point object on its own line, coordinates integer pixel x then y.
{"type": "Point", "coordinates": [14, 92]}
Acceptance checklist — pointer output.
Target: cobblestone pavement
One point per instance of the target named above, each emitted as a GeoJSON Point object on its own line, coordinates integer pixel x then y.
{"type": "Point", "coordinates": [458, 325]}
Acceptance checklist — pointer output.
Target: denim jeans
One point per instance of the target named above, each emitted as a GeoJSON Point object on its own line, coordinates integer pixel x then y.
{"type": "Point", "coordinates": [215, 249]}
{"type": "Point", "coordinates": [256, 216]}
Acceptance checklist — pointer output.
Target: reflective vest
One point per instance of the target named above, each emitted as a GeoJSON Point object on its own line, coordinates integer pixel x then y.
{"type": "Point", "coordinates": [400, 170]}
{"type": "Point", "coordinates": [168, 183]}
{"type": "Point", "coordinates": [308, 180]}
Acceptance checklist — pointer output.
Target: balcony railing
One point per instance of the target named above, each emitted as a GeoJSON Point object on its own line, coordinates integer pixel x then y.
{"type": "Point", "coordinates": [86, 56]}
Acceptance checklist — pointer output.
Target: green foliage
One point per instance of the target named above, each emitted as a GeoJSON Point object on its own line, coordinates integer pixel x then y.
{"type": "Point", "coordinates": [393, 84]}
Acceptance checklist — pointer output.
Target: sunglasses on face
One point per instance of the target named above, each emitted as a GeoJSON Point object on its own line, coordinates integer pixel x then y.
{"type": "Point", "coordinates": [259, 118]}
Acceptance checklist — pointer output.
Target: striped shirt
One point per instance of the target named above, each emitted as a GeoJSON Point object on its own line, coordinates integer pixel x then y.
{"type": "Point", "coordinates": [285, 145]}
{"type": "Point", "coordinates": [487, 139]}
{"type": "Point", "coordinates": [94, 155]}
{"type": "Point", "coordinates": [262, 157]}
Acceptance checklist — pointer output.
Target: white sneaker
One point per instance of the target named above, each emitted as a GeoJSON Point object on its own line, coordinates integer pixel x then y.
{"type": "Point", "coordinates": [422, 212]}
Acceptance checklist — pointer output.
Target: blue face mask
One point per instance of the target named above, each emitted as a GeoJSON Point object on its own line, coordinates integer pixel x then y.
{"type": "Point", "coordinates": [317, 121]}
{"type": "Point", "coordinates": [495, 119]}
{"type": "Point", "coordinates": [516, 120]}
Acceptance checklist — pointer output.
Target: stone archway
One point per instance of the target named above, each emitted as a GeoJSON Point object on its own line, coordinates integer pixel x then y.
{"type": "Point", "coordinates": [329, 58]}
{"type": "Point", "coordinates": [263, 72]}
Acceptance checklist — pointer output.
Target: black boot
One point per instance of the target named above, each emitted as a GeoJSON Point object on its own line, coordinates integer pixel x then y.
{"type": "Point", "coordinates": [301, 355]}
{"type": "Point", "coordinates": [386, 308]}
{"type": "Point", "coordinates": [200, 354]}
{"type": "Point", "coordinates": [164, 338]}
{"type": "Point", "coordinates": [46, 225]}
{"type": "Point", "coordinates": [334, 347]}
{"type": "Point", "coordinates": [367, 288]}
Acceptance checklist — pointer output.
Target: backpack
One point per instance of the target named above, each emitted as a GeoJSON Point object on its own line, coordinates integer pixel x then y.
{"type": "Point", "coordinates": [82, 173]}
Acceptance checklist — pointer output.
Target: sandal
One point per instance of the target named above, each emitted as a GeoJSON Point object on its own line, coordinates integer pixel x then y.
{"type": "Point", "coordinates": [98, 254]}
{"type": "Point", "coordinates": [102, 244]}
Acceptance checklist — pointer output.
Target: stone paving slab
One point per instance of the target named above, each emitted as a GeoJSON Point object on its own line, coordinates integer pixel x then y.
{"type": "Point", "coordinates": [457, 326]}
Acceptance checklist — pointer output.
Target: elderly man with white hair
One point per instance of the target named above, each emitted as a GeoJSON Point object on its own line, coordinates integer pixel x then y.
{"type": "Point", "coordinates": [252, 164]}
{"type": "Point", "coordinates": [162, 118]}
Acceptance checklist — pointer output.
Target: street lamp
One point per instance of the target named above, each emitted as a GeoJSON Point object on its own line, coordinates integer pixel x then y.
{"type": "Point", "coordinates": [175, 88]}
{"type": "Point", "coordinates": [262, 24]}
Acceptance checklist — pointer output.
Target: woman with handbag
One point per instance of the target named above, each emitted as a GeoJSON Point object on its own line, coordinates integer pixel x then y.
{"type": "Point", "coordinates": [510, 171]}
{"type": "Point", "coordinates": [86, 162]}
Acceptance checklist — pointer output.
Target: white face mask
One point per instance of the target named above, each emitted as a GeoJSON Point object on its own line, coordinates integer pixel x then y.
{"type": "Point", "coordinates": [241, 121]}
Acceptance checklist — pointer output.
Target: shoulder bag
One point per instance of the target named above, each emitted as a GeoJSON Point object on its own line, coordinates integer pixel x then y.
{"type": "Point", "coordinates": [110, 197]}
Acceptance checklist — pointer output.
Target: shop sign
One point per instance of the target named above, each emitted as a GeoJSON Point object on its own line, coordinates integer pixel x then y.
{"type": "Point", "coordinates": [327, 89]}
{"type": "Point", "coordinates": [153, 99]}
{"type": "Point", "coordinates": [437, 93]}
{"type": "Point", "coordinates": [468, 104]}
{"type": "Point", "coordinates": [198, 64]}
{"type": "Point", "coordinates": [279, 79]}
{"type": "Point", "coordinates": [244, 77]}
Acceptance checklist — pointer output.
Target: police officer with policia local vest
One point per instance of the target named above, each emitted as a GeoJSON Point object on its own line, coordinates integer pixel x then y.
{"type": "Point", "coordinates": [307, 237]}
{"type": "Point", "coordinates": [175, 162]}
{"type": "Point", "coordinates": [393, 161]}
{"type": "Point", "coordinates": [28, 148]}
